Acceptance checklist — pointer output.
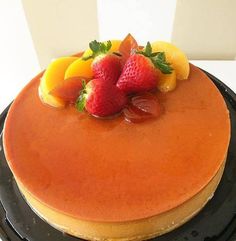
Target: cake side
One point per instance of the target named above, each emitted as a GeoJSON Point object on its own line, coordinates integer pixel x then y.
{"type": "Point", "coordinates": [141, 229]}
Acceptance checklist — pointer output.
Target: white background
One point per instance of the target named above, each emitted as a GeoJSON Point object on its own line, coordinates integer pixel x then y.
{"type": "Point", "coordinates": [18, 61]}
{"type": "Point", "coordinates": [147, 20]}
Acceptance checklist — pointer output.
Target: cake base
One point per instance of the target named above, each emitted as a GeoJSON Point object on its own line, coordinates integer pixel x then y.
{"type": "Point", "coordinates": [132, 230]}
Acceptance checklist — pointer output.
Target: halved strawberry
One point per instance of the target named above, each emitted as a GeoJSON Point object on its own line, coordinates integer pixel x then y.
{"type": "Point", "coordinates": [141, 71]}
{"type": "Point", "coordinates": [105, 66]}
{"type": "Point", "coordinates": [127, 47]}
{"type": "Point", "coordinates": [101, 98]}
{"type": "Point", "coordinates": [69, 89]}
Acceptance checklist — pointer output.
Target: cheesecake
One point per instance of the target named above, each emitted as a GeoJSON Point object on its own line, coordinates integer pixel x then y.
{"type": "Point", "coordinates": [109, 179]}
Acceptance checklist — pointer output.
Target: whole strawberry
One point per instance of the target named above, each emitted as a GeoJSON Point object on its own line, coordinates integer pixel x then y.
{"type": "Point", "coordinates": [105, 66]}
{"type": "Point", "coordinates": [141, 71]}
{"type": "Point", "coordinates": [101, 98]}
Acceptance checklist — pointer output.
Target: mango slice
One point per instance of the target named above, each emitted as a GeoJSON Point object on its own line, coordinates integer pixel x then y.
{"type": "Point", "coordinates": [53, 75]}
{"type": "Point", "coordinates": [79, 67]}
{"type": "Point", "coordinates": [167, 82]}
{"type": "Point", "coordinates": [50, 100]}
{"type": "Point", "coordinates": [175, 56]}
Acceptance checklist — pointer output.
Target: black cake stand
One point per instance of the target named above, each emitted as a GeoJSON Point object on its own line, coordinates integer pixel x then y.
{"type": "Point", "coordinates": [216, 221]}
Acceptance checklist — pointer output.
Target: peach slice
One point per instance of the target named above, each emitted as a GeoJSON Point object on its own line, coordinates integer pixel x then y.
{"type": "Point", "coordinates": [175, 56]}
{"type": "Point", "coordinates": [167, 82]}
{"type": "Point", "coordinates": [53, 75]}
{"type": "Point", "coordinates": [79, 67]}
{"type": "Point", "coordinates": [50, 100]}
{"type": "Point", "coordinates": [69, 89]}
{"type": "Point", "coordinates": [114, 48]}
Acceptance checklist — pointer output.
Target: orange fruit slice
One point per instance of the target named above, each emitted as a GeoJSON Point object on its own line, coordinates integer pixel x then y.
{"type": "Point", "coordinates": [175, 56]}
{"type": "Point", "coordinates": [53, 75]}
{"type": "Point", "coordinates": [79, 67]}
{"type": "Point", "coordinates": [167, 82]}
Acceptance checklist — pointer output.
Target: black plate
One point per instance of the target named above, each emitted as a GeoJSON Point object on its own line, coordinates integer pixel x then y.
{"type": "Point", "coordinates": [216, 222]}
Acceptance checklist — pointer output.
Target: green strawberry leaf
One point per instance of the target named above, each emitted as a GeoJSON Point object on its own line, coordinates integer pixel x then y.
{"type": "Point", "coordinates": [158, 59]}
{"type": "Point", "coordinates": [148, 49]}
{"type": "Point", "coordinates": [98, 48]}
{"type": "Point", "coordinates": [109, 45]}
{"type": "Point", "coordinates": [94, 46]}
{"type": "Point", "coordinates": [161, 56]}
{"type": "Point", "coordinates": [81, 100]}
{"type": "Point", "coordinates": [80, 103]}
{"type": "Point", "coordinates": [102, 48]}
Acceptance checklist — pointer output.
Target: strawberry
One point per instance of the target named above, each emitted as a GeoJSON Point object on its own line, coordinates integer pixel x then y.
{"type": "Point", "coordinates": [69, 89]}
{"type": "Point", "coordinates": [141, 71]}
{"type": "Point", "coordinates": [127, 47]}
{"type": "Point", "coordinates": [101, 98]}
{"type": "Point", "coordinates": [105, 66]}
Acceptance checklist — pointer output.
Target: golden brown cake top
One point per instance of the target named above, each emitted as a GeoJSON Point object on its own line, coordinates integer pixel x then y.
{"type": "Point", "coordinates": [112, 170]}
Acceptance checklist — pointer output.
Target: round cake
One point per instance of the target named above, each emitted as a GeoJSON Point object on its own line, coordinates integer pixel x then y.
{"type": "Point", "coordinates": [108, 179]}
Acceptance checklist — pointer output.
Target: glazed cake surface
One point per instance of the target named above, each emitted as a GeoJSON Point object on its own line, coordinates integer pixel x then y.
{"type": "Point", "coordinates": [111, 170]}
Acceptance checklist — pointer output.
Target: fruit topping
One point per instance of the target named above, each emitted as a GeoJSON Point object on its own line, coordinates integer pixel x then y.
{"type": "Point", "coordinates": [142, 70]}
{"type": "Point", "coordinates": [79, 67]}
{"type": "Point", "coordinates": [53, 76]}
{"type": "Point", "coordinates": [135, 115]}
{"type": "Point", "coordinates": [105, 65]}
{"type": "Point", "coordinates": [142, 107]}
{"type": "Point", "coordinates": [167, 82]}
{"type": "Point", "coordinates": [101, 98]}
{"type": "Point", "coordinates": [147, 103]}
{"type": "Point", "coordinates": [115, 76]}
{"type": "Point", "coordinates": [127, 47]}
{"type": "Point", "coordinates": [69, 89]}
{"type": "Point", "coordinates": [175, 56]}
{"type": "Point", "coordinates": [115, 44]}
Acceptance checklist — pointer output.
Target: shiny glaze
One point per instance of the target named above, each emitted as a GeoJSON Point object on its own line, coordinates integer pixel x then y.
{"type": "Point", "coordinates": [142, 107]}
{"type": "Point", "coordinates": [112, 170]}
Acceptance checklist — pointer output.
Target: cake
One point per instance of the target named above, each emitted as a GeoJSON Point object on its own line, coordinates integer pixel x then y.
{"type": "Point", "coordinates": [109, 179]}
